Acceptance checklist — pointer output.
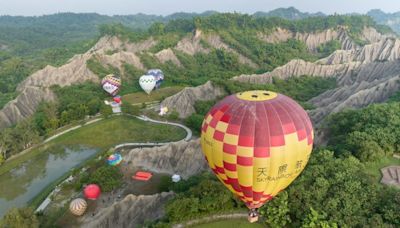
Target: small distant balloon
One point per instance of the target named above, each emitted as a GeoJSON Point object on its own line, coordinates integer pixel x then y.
{"type": "Point", "coordinates": [114, 159]}
{"type": "Point", "coordinates": [163, 110]}
{"type": "Point", "coordinates": [117, 99]}
{"type": "Point", "coordinates": [147, 83]}
{"type": "Point", "coordinates": [92, 192]}
{"type": "Point", "coordinates": [111, 84]}
{"type": "Point", "coordinates": [78, 206]}
{"type": "Point", "coordinates": [158, 76]}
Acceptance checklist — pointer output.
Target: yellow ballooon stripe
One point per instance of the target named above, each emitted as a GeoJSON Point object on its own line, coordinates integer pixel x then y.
{"type": "Point", "coordinates": [260, 167]}
{"type": "Point", "coordinates": [221, 126]}
{"type": "Point", "coordinates": [207, 145]}
{"type": "Point", "coordinates": [286, 163]}
{"type": "Point", "coordinates": [231, 139]}
{"type": "Point", "coordinates": [245, 175]}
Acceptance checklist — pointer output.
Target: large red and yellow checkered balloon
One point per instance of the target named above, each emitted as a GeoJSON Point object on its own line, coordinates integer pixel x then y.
{"type": "Point", "coordinates": [257, 143]}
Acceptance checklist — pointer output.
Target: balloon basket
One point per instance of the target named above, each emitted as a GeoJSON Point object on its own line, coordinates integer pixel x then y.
{"type": "Point", "coordinates": [252, 219]}
{"type": "Point", "coordinates": [253, 216]}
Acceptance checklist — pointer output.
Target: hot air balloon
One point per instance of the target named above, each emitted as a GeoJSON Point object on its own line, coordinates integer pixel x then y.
{"type": "Point", "coordinates": [111, 84]}
{"type": "Point", "coordinates": [147, 82]}
{"type": "Point", "coordinates": [256, 143]}
{"type": "Point", "coordinates": [117, 99]}
{"type": "Point", "coordinates": [163, 110]}
{"type": "Point", "coordinates": [158, 76]}
{"type": "Point", "coordinates": [92, 192]}
{"type": "Point", "coordinates": [114, 159]}
{"type": "Point", "coordinates": [78, 206]}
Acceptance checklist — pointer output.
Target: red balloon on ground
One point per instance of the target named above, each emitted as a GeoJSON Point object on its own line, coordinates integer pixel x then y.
{"type": "Point", "coordinates": [117, 99]}
{"type": "Point", "coordinates": [92, 192]}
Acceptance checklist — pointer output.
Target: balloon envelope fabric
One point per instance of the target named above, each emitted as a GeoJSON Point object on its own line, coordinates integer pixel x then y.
{"type": "Point", "coordinates": [147, 83]}
{"type": "Point", "coordinates": [111, 84]}
{"type": "Point", "coordinates": [78, 206]}
{"type": "Point", "coordinates": [114, 159]}
{"type": "Point", "coordinates": [257, 143]}
{"type": "Point", "coordinates": [158, 76]}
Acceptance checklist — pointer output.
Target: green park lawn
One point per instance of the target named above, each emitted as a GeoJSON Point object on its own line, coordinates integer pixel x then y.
{"type": "Point", "coordinates": [105, 134]}
{"type": "Point", "coordinates": [157, 95]}
{"type": "Point", "coordinates": [236, 223]}
{"type": "Point", "coordinates": [374, 168]}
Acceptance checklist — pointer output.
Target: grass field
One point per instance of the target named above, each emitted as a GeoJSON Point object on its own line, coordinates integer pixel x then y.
{"type": "Point", "coordinates": [374, 168]}
{"type": "Point", "coordinates": [105, 134]}
{"type": "Point", "coordinates": [234, 223]}
{"type": "Point", "coordinates": [157, 95]}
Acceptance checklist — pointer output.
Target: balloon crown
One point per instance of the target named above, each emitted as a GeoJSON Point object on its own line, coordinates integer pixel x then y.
{"type": "Point", "coordinates": [257, 95]}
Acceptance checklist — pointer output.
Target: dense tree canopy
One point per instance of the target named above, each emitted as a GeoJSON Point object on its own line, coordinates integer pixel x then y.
{"type": "Point", "coordinates": [331, 192]}
{"type": "Point", "coordinates": [20, 218]}
{"type": "Point", "coordinates": [369, 133]}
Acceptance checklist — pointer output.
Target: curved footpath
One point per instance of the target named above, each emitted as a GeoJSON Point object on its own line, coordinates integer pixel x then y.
{"type": "Point", "coordinates": [189, 135]}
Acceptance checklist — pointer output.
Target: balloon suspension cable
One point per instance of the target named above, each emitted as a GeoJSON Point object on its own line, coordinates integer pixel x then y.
{"type": "Point", "coordinates": [253, 215]}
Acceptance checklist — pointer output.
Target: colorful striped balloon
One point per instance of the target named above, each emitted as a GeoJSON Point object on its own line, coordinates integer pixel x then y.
{"type": "Point", "coordinates": [114, 159]}
{"type": "Point", "coordinates": [111, 84]}
{"type": "Point", "coordinates": [78, 206]}
{"type": "Point", "coordinates": [257, 143]}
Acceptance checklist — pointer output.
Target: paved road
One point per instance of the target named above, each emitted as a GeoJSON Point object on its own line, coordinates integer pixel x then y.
{"type": "Point", "coordinates": [189, 134]}
{"type": "Point", "coordinates": [188, 131]}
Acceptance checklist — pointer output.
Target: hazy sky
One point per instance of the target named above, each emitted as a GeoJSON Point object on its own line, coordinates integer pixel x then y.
{"type": "Point", "coordinates": [164, 7]}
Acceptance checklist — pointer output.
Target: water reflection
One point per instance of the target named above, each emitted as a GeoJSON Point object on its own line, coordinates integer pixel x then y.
{"type": "Point", "coordinates": [24, 182]}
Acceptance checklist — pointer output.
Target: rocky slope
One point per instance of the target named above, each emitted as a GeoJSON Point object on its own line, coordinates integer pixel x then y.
{"type": "Point", "coordinates": [18, 109]}
{"type": "Point", "coordinates": [365, 75]}
{"type": "Point", "coordinates": [192, 44]}
{"type": "Point", "coordinates": [35, 88]}
{"type": "Point", "coordinates": [183, 158]}
{"type": "Point", "coordinates": [183, 102]}
{"type": "Point", "coordinates": [313, 40]}
{"type": "Point", "coordinates": [343, 64]}
{"type": "Point", "coordinates": [168, 55]}
{"type": "Point", "coordinates": [132, 211]}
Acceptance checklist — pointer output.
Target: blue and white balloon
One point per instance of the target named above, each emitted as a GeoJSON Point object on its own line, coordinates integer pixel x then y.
{"type": "Point", "coordinates": [158, 76]}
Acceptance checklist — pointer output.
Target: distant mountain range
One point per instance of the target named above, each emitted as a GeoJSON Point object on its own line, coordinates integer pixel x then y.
{"type": "Point", "coordinates": [25, 35]}
{"type": "Point", "coordinates": [290, 13]}
{"type": "Point", "coordinates": [390, 19]}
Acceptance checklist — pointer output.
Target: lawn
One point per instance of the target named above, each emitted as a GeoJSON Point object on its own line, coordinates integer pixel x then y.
{"type": "Point", "coordinates": [157, 95]}
{"type": "Point", "coordinates": [237, 223]}
{"type": "Point", "coordinates": [120, 129]}
{"type": "Point", "coordinates": [105, 134]}
{"type": "Point", "coordinates": [374, 168]}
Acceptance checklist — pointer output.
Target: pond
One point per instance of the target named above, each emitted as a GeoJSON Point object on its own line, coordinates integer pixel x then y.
{"type": "Point", "coordinates": [26, 181]}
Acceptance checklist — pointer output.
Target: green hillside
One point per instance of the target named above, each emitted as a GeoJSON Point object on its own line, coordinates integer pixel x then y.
{"type": "Point", "coordinates": [237, 30]}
